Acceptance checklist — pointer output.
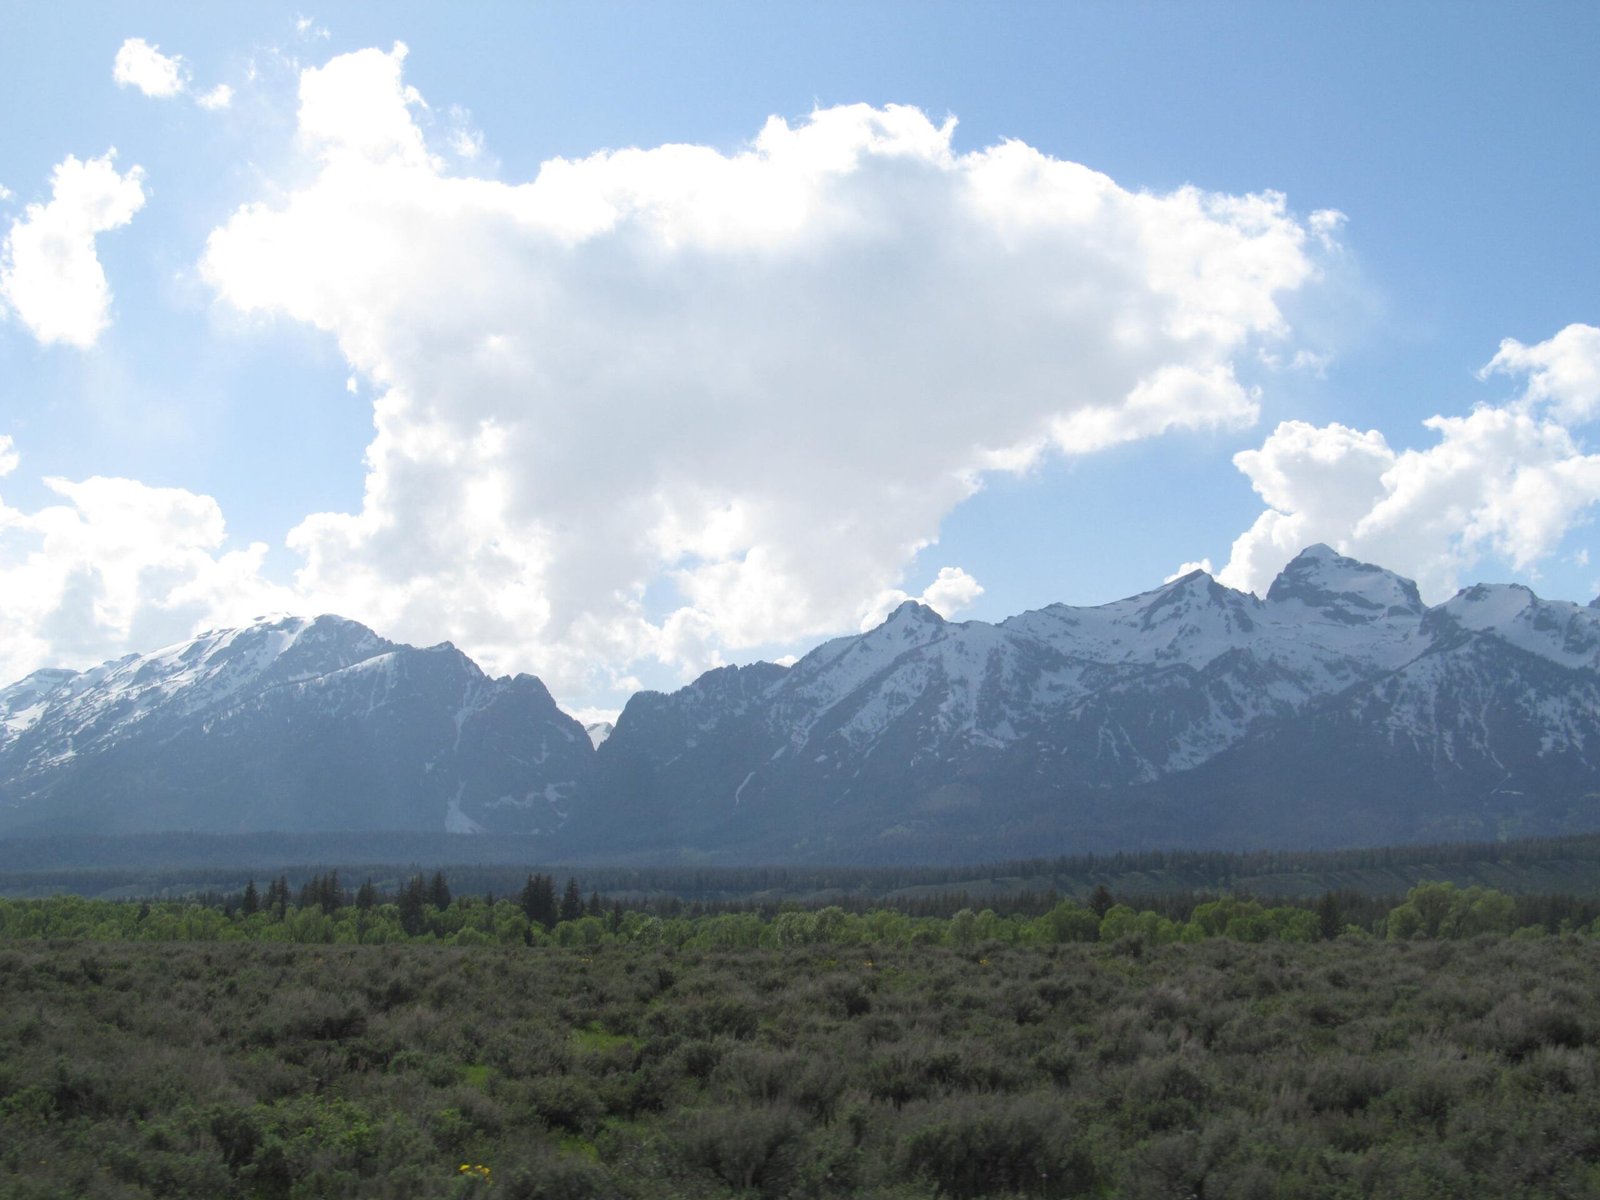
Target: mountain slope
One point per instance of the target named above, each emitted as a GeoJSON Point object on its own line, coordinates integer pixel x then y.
{"type": "Point", "coordinates": [286, 724]}
{"type": "Point", "coordinates": [1188, 715]}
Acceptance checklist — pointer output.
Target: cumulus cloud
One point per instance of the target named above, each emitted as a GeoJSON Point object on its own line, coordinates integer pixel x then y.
{"type": "Point", "coordinates": [1174, 397]}
{"type": "Point", "coordinates": [139, 64]}
{"type": "Point", "coordinates": [665, 404]}
{"type": "Point", "coordinates": [118, 564]}
{"type": "Point", "coordinates": [9, 458]}
{"type": "Point", "coordinates": [1507, 481]}
{"type": "Point", "coordinates": [1563, 373]}
{"type": "Point", "coordinates": [50, 274]}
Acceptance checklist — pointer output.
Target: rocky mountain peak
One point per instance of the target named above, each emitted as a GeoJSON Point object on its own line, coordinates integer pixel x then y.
{"type": "Point", "coordinates": [912, 613]}
{"type": "Point", "coordinates": [1344, 589]}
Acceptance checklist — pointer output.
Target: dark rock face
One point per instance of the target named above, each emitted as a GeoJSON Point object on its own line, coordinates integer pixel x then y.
{"type": "Point", "coordinates": [287, 725]}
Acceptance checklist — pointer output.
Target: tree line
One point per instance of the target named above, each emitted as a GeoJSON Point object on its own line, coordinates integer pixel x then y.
{"type": "Point", "coordinates": [424, 909]}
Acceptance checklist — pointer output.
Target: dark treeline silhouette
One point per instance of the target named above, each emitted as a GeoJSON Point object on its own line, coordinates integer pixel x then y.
{"type": "Point", "coordinates": [1561, 866]}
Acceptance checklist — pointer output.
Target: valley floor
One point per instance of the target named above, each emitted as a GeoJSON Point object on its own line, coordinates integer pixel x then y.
{"type": "Point", "coordinates": [1344, 1068]}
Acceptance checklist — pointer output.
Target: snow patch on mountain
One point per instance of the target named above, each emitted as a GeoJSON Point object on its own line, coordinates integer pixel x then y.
{"type": "Point", "coordinates": [287, 723]}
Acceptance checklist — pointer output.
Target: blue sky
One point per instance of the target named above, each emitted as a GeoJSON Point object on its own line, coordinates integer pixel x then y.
{"type": "Point", "coordinates": [674, 408]}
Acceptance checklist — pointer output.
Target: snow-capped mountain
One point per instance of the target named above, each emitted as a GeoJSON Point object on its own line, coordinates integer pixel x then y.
{"type": "Point", "coordinates": [1336, 710]}
{"type": "Point", "coordinates": [286, 724]}
{"type": "Point", "coordinates": [1089, 728]}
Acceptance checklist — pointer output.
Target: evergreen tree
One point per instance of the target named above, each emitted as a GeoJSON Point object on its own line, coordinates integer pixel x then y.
{"type": "Point", "coordinates": [250, 905]}
{"type": "Point", "coordinates": [278, 896]}
{"type": "Point", "coordinates": [538, 900]}
{"type": "Point", "coordinates": [366, 895]}
{"type": "Point", "coordinates": [413, 906]}
{"type": "Point", "coordinates": [439, 892]}
{"type": "Point", "coordinates": [571, 902]}
{"type": "Point", "coordinates": [1330, 919]}
{"type": "Point", "coordinates": [1101, 900]}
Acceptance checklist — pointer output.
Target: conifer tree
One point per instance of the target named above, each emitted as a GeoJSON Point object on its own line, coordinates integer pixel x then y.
{"type": "Point", "coordinates": [278, 896]}
{"type": "Point", "coordinates": [538, 900]}
{"type": "Point", "coordinates": [1330, 920]}
{"type": "Point", "coordinates": [1101, 900]}
{"type": "Point", "coordinates": [571, 902]}
{"type": "Point", "coordinates": [413, 906]}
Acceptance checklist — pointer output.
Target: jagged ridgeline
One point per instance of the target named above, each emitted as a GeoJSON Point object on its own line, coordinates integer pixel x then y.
{"type": "Point", "coordinates": [1337, 711]}
{"type": "Point", "coordinates": [286, 725]}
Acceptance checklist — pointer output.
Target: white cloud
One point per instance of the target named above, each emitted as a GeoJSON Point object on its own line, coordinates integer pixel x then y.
{"type": "Point", "coordinates": [672, 403]}
{"type": "Point", "coordinates": [466, 144]}
{"type": "Point", "coordinates": [1174, 397]}
{"type": "Point", "coordinates": [49, 272]}
{"type": "Point", "coordinates": [1326, 223]}
{"type": "Point", "coordinates": [952, 591]}
{"type": "Point", "coordinates": [465, 141]}
{"type": "Point", "coordinates": [356, 109]}
{"type": "Point", "coordinates": [218, 97]}
{"type": "Point", "coordinates": [141, 65]}
{"type": "Point", "coordinates": [1563, 372]}
{"type": "Point", "coordinates": [9, 458]}
{"type": "Point", "coordinates": [1508, 481]}
{"type": "Point", "coordinates": [118, 565]}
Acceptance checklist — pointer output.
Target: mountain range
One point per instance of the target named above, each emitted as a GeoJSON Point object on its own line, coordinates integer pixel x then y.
{"type": "Point", "coordinates": [1337, 710]}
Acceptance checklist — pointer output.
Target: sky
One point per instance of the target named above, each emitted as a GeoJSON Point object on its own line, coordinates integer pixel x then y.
{"type": "Point", "coordinates": [614, 342]}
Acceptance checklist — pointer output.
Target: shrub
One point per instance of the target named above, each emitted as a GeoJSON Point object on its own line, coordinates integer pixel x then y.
{"type": "Point", "coordinates": [991, 1145]}
{"type": "Point", "coordinates": [746, 1146]}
